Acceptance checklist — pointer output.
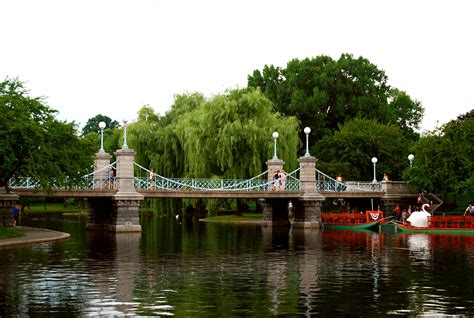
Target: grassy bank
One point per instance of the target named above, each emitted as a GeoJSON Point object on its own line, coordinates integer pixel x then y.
{"type": "Point", "coordinates": [235, 218]}
{"type": "Point", "coordinates": [54, 207]}
{"type": "Point", "coordinates": [9, 232]}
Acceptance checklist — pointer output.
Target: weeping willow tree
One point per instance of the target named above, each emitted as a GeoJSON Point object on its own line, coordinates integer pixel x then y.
{"type": "Point", "coordinates": [141, 134]}
{"type": "Point", "coordinates": [168, 157]}
{"type": "Point", "coordinates": [230, 136]}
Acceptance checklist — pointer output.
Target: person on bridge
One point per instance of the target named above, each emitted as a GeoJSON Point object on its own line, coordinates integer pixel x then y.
{"type": "Point", "coordinates": [151, 177]}
{"type": "Point", "coordinates": [276, 180]}
{"type": "Point", "coordinates": [112, 178]}
{"type": "Point", "coordinates": [282, 177]}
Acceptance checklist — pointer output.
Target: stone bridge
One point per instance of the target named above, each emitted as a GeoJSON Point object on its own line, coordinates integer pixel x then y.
{"type": "Point", "coordinates": [113, 203]}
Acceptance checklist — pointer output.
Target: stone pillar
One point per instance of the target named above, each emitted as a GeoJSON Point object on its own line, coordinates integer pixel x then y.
{"type": "Point", "coordinates": [390, 198]}
{"type": "Point", "coordinates": [267, 212]}
{"type": "Point", "coordinates": [119, 213]}
{"type": "Point", "coordinates": [125, 175]}
{"type": "Point", "coordinates": [308, 175]}
{"type": "Point", "coordinates": [101, 178]}
{"type": "Point", "coordinates": [308, 213]}
{"type": "Point", "coordinates": [7, 202]}
{"type": "Point", "coordinates": [126, 201]}
{"type": "Point", "coordinates": [308, 209]}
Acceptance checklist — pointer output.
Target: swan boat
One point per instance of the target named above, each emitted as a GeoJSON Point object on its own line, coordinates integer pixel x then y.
{"type": "Point", "coordinates": [352, 221]}
{"type": "Point", "coordinates": [439, 224]}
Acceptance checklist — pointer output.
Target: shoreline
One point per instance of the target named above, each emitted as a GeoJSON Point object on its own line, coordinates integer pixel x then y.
{"type": "Point", "coordinates": [33, 236]}
{"type": "Point", "coordinates": [247, 222]}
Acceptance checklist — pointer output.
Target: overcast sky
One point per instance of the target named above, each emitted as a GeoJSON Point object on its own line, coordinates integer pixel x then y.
{"type": "Point", "coordinates": [111, 57]}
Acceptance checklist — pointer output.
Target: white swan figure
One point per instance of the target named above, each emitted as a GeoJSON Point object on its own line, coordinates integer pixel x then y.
{"type": "Point", "coordinates": [419, 218]}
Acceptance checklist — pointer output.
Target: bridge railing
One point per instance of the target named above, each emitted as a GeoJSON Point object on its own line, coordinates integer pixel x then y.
{"type": "Point", "coordinates": [157, 183]}
{"type": "Point", "coordinates": [212, 184]}
{"type": "Point", "coordinates": [94, 180]}
{"type": "Point", "coordinates": [102, 178]}
{"type": "Point", "coordinates": [258, 183]}
{"type": "Point", "coordinates": [327, 183]}
{"type": "Point", "coordinates": [364, 186]}
{"type": "Point", "coordinates": [24, 183]}
{"type": "Point", "coordinates": [292, 181]}
{"type": "Point", "coordinates": [102, 183]}
{"type": "Point", "coordinates": [86, 182]}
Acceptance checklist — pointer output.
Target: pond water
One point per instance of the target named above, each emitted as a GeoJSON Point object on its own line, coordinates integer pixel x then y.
{"type": "Point", "coordinates": [195, 269]}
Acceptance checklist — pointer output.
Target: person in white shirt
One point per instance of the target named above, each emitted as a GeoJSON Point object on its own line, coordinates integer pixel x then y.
{"type": "Point", "coordinates": [470, 209]}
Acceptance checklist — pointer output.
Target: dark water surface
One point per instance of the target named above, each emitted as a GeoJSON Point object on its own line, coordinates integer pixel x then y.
{"type": "Point", "coordinates": [194, 269]}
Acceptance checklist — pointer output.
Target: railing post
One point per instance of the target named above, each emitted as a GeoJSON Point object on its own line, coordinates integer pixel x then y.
{"type": "Point", "coordinates": [101, 160]}
{"type": "Point", "coordinates": [308, 175]}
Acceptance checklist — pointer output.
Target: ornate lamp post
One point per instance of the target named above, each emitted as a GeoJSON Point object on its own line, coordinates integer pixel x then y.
{"type": "Point", "coordinates": [307, 130]}
{"type": "Point", "coordinates": [410, 158]}
{"type": "Point", "coordinates": [124, 146]}
{"type": "Point", "coordinates": [102, 126]}
{"type": "Point", "coordinates": [374, 161]}
{"type": "Point", "coordinates": [275, 136]}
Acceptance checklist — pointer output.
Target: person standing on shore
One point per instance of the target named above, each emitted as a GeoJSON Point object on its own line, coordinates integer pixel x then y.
{"type": "Point", "coordinates": [16, 215]}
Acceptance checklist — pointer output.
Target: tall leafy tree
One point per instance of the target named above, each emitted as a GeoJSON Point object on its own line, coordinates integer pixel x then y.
{"type": "Point", "coordinates": [444, 159]}
{"type": "Point", "coordinates": [324, 93]}
{"type": "Point", "coordinates": [92, 124]}
{"type": "Point", "coordinates": [349, 151]}
{"type": "Point", "coordinates": [408, 112]}
{"type": "Point", "coordinates": [33, 143]}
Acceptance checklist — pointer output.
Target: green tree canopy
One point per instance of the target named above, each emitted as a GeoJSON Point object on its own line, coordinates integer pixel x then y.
{"type": "Point", "coordinates": [92, 124]}
{"type": "Point", "coordinates": [142, 135]}
{"type": "Point", "coordinates": [323, 94]}
{"type": "Point", "coordinates": [444, 159]}
{"type": "Point", "coordinates": [33, 143]}
{"type": "Point", "coordinates": [349, 151]}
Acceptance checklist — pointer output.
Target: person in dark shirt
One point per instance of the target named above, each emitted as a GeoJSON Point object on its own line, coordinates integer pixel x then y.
{"type": "Point", "coordinates": [16, 215]}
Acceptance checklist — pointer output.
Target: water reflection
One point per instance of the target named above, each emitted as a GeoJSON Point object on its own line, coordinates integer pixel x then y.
{"type": "Point", "coordinates": [419, 246]}
{"type": "Point", "coordinates": [307, 243]}
{"type": "Point", "coordinates": [197, 269]}
{"type": "Point", "coordinates": [112, 260]}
